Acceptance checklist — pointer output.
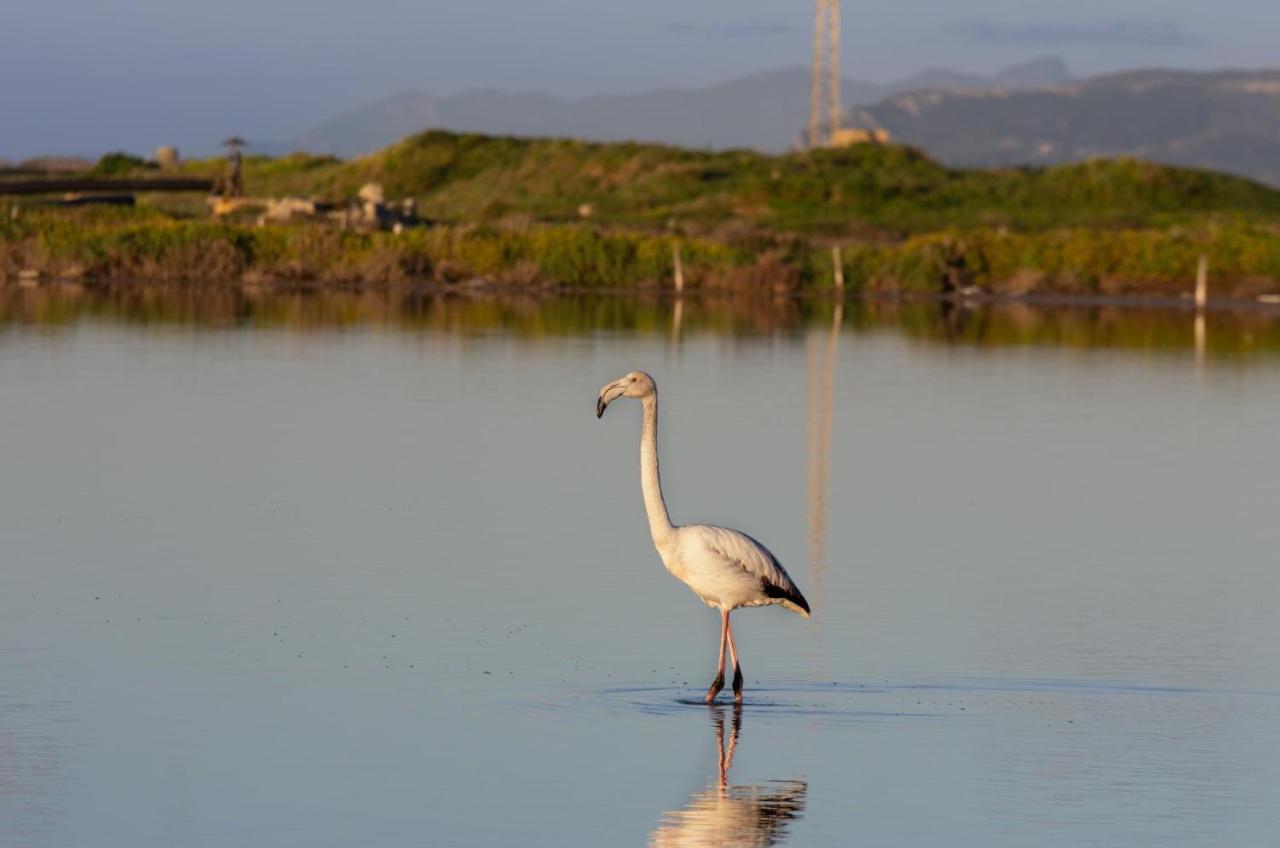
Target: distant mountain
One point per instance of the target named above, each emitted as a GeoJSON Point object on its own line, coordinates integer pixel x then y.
{"type": "Point", "coordinates": [368, 128]}
{"type": "Point", "coordinates": [1034, 74]}
{"type": "Point", "coordinates": [1037, 73]}
{"type": "Point", "coordinates": [1227, 121]}
{"type": "Point", "coordinates": [765, 110]}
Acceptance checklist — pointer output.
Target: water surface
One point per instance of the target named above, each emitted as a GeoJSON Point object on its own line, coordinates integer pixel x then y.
{"type": "Point", "coordinates": [360, 571]}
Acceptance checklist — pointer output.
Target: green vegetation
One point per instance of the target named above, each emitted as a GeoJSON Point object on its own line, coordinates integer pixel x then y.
{"type": "Point", "coordinates": [536, 211]}
{"type": "Point", "coordinates": [1245, 259]}
{"type": "Point", "coordinates": [120, 244]}
{"type": "Point", "coordinates": [859, 191]}
{"type": "Point", "coordinates": [145, 244]}
{"type": "Point", "coordinates": [119, 164]}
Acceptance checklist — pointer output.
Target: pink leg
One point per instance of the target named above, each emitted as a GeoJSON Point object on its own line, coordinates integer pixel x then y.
{"type": "Point", "coordinates": [725, 755]}
{"type": "Point", "coordinates": [737, 667]}
{"type": "Point", "coordinates": [736, 728]}
{"type": "Point", "coordinates": [717, 724]}
{"type": "Point", "coordinates": [718, 683]}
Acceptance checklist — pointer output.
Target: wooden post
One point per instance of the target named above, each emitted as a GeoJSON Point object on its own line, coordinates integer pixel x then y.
{"type": "Point", "coordinates": [1202, 281]}
{"type": "Point", "coordinates": [837, 266]}
{"type": "Point", "coordinates": [678, 267]}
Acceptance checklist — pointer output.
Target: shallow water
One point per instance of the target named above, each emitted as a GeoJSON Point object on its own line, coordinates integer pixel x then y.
{"type": "Point", "coordinates": [382, 578]}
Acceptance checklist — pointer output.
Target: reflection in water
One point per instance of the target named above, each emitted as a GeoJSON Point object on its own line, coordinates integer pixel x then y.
{"type": "Point", "coordinates": [726, 814]}
{"type": "Point", "coordinates": [1217, 332]}
{"type": "Point", "coordinates": [822, 369]}
{"type": "Point", "coordinates": [1199, 331]}
{"type": "Point", "coordinates": [677, 319]}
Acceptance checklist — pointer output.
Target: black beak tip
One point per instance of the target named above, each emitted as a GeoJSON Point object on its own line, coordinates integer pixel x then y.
{"type": "Point", "coordinates": [599, 407]}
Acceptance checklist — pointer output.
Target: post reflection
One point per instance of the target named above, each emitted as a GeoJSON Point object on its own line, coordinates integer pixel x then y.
{"type": "Point", "coordinates": [726, 814]}
{"type": "Point", "coordinates": [677, 320]}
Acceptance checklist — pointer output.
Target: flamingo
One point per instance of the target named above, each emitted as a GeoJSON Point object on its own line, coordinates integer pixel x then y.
{"type": "Point", "coordinates": [726, 568]}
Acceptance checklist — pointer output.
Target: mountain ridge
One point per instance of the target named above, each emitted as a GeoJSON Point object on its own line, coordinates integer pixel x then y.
{"type": "Point", "coordinates": [764, 110]}
{"type": "Point", "coordinates": [1226, 120]}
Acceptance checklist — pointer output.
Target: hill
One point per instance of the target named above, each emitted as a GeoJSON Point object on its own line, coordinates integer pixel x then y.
{"type": "Point", "coordinates": [1227, 121]}
{"type": "Point", "coordinates": [859, 190]}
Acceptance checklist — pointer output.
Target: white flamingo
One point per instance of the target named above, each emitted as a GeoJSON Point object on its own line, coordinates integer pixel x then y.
{"type": "Point", "coordinates": [726, 568]}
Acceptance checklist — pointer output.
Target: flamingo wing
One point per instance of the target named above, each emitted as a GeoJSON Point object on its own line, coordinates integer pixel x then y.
{"type": "Point", "coordinates": [744, 552]}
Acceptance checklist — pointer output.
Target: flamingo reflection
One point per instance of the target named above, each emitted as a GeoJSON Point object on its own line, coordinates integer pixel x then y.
{"type": "Point", "coordinates": [725, 814]}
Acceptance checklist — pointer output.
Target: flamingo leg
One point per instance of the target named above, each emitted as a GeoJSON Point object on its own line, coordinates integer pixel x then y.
{"type": "Point", "coordinates": [737, 667]}
{"type": "Point", "coordinates": [718, 683]}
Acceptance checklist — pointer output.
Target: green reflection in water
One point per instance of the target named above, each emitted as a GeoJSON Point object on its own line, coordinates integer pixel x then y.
{"type": "Point", "coordinates": [1238, 333]}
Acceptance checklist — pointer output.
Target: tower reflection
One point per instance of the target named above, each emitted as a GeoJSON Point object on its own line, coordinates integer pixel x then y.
{"type": "Point", "coordinates": [822, 369]}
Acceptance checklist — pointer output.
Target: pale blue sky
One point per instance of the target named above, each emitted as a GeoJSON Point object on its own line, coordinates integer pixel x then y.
{"type": "Point", "coordinates": [81, 76]}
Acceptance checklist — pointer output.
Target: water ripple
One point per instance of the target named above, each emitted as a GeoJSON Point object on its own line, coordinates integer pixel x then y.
{"type": "Point", "coordinates": [841, 701]}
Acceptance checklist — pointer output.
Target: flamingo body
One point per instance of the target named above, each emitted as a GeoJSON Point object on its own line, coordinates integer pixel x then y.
{"type": "Point", "coordinates": [728, 569]}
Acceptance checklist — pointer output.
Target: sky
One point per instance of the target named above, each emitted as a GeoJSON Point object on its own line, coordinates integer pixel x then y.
{"type": "Point", "coordinates": [84, 76]}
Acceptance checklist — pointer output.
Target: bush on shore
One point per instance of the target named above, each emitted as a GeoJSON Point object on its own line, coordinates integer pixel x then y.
{"type": "Point", "coordinates": [137, 244]}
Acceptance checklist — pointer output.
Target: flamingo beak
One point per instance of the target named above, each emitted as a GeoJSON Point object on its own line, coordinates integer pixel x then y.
{"type": "Point", "coordinates": [607, 395]}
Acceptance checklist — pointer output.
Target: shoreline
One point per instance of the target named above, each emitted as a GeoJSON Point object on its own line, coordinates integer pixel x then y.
{"type": "Point", "coordinates": [483, 289]}
{"type": "Point", "coordinates": [556, 214]}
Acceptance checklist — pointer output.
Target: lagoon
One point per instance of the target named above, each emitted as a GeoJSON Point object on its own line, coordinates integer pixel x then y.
{"type": "Point", "coordinates": [365, 569]}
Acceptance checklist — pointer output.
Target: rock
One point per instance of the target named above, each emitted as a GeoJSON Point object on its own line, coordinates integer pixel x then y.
{"type": "Point", "coordinates": [167, 158]}
{"type": "Point", "coordinates": [372, 193]}
{"type": "Point", "coordinates": [285, 208]}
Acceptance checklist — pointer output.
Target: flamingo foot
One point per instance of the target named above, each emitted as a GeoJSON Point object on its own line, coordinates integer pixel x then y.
{"type": "Point", "coordinates": [737, 684]}
{"type": "Point", "coordinates": [716, 686]}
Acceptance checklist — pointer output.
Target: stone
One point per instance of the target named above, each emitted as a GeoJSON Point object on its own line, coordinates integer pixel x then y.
{"type": "Point", "coordinates": [168, 158]}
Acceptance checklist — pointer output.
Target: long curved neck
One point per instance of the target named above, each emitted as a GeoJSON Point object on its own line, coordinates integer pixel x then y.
{"type": "Point", "coordinates": [650, 483]}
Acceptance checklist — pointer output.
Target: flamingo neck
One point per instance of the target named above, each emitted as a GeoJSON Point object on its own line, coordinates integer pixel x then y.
{"type": "Point", "coordinates": [650, 482]}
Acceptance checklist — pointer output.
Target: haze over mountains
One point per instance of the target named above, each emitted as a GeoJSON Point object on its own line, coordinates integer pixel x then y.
{"type": "Point", "coordinates": [1032, 113]}
{"type": "Point", "coordinates": [765, 110]}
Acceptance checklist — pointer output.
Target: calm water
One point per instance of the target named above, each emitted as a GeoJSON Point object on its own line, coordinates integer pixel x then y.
{"type": "Point", "coordinates": [363, 571]}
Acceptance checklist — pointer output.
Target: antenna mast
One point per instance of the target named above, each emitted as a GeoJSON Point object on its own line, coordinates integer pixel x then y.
{"type": "Point", "coordinates": [826, 72]}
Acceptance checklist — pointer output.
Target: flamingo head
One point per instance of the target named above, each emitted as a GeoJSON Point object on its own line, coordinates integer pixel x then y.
{"type": "Point", "coordinates": [636, 384]}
